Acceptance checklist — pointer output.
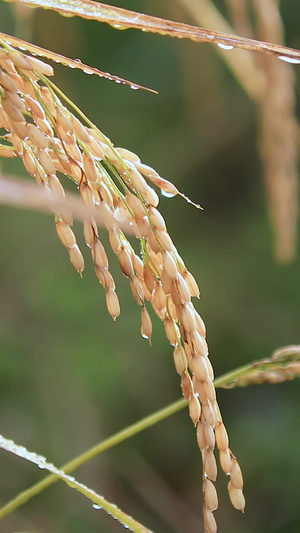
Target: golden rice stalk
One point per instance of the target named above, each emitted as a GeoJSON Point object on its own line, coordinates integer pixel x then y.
{"type": "Point", "coordinates": [49, 139]}
{"type": "Point", "coordinates": [239, 13]}
{"type": "Point", "coordinates": [284, 365]}
{"type": "Point", "coordinates": [242, 62]}
{"type": "Point", "coordinates": [278, 136]}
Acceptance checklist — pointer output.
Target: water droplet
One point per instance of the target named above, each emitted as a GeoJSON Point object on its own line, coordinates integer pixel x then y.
{"type": "Point", "coordinates": [119, 26]}
{"type": "Point", "coordinates": [77, 60]}
{"type": "Point", "coordinates": [292, 60]}
{"type": "Point", "coordinates": [96, 506]}
{"type": "Point", "coordinates": [87, 71]}
{"type": "Point", "coordinates": [168, 194]}
{"type": "Point", "coordinates": [134, 87]}
{"type": "Point", "coordinates": [225, 46]}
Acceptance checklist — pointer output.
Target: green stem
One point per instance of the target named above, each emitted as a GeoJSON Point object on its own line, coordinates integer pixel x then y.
{"type": "Point", "coordinates": [119, 437]}
{"type": "Point", "coordinates": [231, 376]}
{"type": "Point", "coordinates": [122, 435]}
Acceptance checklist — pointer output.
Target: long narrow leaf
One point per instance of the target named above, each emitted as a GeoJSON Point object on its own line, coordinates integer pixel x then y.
{"type": "Point", "coordinates": [25, 194]}
{"type": "Point", "coordinates": [98, 501]}
{"type": "Point", "coordinates": [123, 19]}
{"type": "Point", "coordinates": [67, 62]}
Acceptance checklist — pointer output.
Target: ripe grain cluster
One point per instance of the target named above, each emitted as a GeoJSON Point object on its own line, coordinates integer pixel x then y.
{"type": "Point", "coordinates": [51, 141]}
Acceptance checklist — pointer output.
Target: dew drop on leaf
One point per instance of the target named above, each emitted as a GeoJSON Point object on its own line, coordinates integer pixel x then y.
{"type": "Point", "coordinates": [292, 60]}
{"type": "Point", "coordinates": [225, 46]}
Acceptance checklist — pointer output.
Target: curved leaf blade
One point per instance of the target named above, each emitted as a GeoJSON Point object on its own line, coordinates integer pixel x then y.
{"type": "Point", "coordinates": [98, 501]}
{"type": "Point", "coordinates": [123, 19]}
{"type": "Point", "coordinates": [67, 62]}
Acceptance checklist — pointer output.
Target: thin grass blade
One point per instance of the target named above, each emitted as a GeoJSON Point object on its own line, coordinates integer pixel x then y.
{"type": "Point", "coordinates": [98, 501]}
{"type": "Point", "coordinates": [67, 62]}
{"type": "Point", "coordinates": [23, 193]}
{"type": "Point", "coordinates": [123, 19]}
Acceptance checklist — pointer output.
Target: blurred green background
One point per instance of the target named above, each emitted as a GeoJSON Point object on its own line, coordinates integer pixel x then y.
{"type": "Point", "coordinates": [69, 376]}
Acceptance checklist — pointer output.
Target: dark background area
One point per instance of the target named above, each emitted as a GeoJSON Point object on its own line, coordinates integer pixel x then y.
{"type": "Point", "coordinates": [69, 376]}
